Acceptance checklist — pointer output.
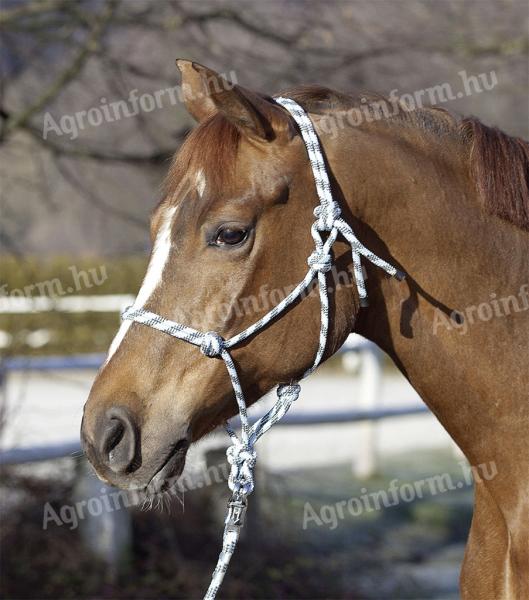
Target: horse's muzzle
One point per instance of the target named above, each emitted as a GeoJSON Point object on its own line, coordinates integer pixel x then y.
{"type": "Point", "coordinates": [116, 445]}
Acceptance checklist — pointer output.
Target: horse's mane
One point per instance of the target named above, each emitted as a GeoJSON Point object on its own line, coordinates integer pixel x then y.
{"type": "Point", "coordinates": [500, 167]}
{"type": "Point", "coordinates": [499, 163]}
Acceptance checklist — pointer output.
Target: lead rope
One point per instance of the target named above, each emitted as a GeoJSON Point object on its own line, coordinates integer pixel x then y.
{"type": "Point", "coordinates": [241, 454]}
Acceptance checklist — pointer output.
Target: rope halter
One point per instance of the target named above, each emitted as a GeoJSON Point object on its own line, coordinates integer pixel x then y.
{"type": "Point", "coordinates": [241, 454]}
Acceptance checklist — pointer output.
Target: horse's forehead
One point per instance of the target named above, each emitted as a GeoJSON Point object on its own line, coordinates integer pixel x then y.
{"type": "Point", "coordinates": [203, 187]}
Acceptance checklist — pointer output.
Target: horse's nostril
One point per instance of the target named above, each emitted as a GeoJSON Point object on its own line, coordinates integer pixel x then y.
{"type": "Point", "coordinates": [112, 435]}
{"type": "Point", "coordinates": [118, 440]}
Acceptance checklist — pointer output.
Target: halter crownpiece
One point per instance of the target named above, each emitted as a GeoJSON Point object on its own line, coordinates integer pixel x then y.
{"type": "Point", "coordinates": [241, 454]}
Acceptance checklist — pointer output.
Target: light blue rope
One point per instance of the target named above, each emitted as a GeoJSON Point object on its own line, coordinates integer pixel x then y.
{"type": "Point", "coordinates": [241, 454]}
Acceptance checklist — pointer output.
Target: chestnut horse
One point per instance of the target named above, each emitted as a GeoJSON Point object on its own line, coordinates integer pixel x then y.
{"type": "Point", "coordinates": [445, 200]}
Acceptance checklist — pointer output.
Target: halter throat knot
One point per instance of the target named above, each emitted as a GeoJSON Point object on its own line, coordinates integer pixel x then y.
{"type": "Point", "coordinates": [326, 215]}
{"type": "Point", "coordinates": [320, 261]}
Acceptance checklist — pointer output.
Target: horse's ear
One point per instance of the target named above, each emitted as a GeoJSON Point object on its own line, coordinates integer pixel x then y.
{"type": "Point", "coordinates": [205, 92]}
{"type": "Point", "coordinates": [194, 91]}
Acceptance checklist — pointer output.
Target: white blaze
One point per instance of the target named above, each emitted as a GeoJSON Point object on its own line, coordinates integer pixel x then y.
{"type": "Point", "coordinates": [153, 277]}
{"type": "Point", "coordinates": [201, 183]}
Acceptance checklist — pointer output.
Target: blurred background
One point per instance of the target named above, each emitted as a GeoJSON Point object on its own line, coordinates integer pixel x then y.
{"type": "Point", "coordinates": [361, 494]}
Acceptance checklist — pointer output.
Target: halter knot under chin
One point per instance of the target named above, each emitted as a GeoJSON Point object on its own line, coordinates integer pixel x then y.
{"type": "Point", "coordinates": [242, 459]}
{"type": "Point", "coordinates": [288, 392]}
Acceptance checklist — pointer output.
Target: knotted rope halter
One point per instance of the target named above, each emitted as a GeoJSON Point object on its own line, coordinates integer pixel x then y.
{"type": "Point", "coordinates": [241, 454]}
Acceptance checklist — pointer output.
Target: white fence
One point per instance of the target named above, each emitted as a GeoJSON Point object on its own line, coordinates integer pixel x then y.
{"type": "Point", "coordinates": [109, 536]}
{"type": "Point", "coordinates": [357, 355]}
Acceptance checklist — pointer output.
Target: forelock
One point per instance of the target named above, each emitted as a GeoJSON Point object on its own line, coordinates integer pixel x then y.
{"type": "Point", "coordinates": [208, 153]}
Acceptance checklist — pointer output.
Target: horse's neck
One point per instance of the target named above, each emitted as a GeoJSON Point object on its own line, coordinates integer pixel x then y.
{"type": "Point", "coordinates": [422, 211]}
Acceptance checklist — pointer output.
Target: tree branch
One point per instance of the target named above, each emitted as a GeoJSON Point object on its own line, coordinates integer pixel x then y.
{"type": "Point", "coordinates": [30, 9]}
{"type": "Point", "coordinates": [22, 119]}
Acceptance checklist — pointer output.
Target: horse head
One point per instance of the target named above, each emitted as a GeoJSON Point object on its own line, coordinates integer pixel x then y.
{"type": "Point", "coordinates": [231, 238]}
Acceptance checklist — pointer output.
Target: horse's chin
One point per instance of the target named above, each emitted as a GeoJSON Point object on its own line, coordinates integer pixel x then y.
{"type": "Point", "coordinates": [169, 469]}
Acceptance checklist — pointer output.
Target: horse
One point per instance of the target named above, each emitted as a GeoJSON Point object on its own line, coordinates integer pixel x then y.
{"type": "Point", "coordinates": [444, 199]}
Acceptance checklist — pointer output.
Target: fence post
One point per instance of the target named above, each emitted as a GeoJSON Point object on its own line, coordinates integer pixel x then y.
{"type": "Point", "coordinates": [3, 396]}
{"type": "Point", "coordinates": [106, 528]}
{"type": "Point", "coordinates": [366, 461]}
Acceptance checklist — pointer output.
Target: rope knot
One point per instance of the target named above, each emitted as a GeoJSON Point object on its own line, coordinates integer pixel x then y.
{"type": "Point", "coordinates": [326, 216]}
{"type": "Point", "coordinates": [320, 261]}
{"type": "Point", "coordinates": [212, 344]}
{"type": "Point", "coordinates": [288, 392]}
{"type": "Point", "coordinates": [242, 459]}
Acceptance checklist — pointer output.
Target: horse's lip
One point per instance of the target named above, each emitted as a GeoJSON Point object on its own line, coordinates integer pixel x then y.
{"type": "Point", "coordinates": [171, 467]}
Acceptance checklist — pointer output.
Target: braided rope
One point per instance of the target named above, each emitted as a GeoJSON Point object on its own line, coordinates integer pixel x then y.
{"type": "Point", "coordinates": [241, 454]}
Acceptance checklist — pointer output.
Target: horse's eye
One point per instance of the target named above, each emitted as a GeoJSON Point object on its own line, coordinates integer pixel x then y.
{"type": "Point", "coordinates": [231, 236]}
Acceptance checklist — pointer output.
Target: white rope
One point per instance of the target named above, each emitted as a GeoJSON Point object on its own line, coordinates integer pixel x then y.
{"type": "Point", "coordinates": [241, 454]}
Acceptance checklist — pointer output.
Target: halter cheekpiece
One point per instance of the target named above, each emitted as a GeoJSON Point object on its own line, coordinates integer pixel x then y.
{"type": "Point", "coordinates": [241, 454]}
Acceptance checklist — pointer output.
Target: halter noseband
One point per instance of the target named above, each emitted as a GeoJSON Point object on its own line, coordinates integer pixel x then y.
{"type": "Point", "coordinates": [241, 454]}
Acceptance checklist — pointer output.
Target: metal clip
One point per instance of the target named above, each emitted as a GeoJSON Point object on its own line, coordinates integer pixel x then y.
{"type": "Point", "coordinates": [236, 512]}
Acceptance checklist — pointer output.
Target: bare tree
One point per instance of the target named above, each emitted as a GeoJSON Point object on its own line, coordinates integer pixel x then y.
{"type": "Point", "coordinates": [63, 58]}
